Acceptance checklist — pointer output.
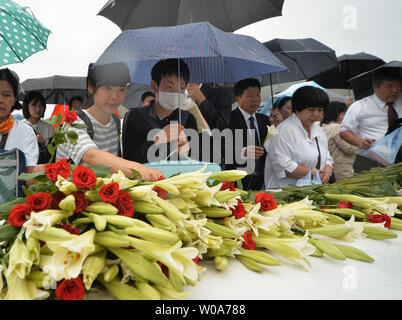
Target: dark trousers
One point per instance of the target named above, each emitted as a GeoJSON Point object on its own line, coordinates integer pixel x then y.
{"type": "Point", "coordinates": [252, 182]}
{"type": "Point", "coordinates": [364, 164]}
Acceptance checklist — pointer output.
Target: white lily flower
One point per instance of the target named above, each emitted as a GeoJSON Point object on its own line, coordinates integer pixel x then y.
{"type": "Point", "coordinates": [121, 179]}
{"type": "Point", "coordinates": [238, 225]}
{"type": "Point", "coordinates": [304, 247]}
{"type": "Point", "coordinates": [175, 257]}
{"type": "Point", "coordinates": [143, 192]}
{"type": "Point", "coordinates": [69, 255]}
{"type": "Point", "coordinates": [197, 227]}
{"type": "Point", "coordinates": [20, 260]}
{"type": "Point", "coordinates": [65, 185]}
{"type": "Point", "coordinates": [357, 232]}
{"type": "Point", "coordinates": [201, 246]}
{"type": "Point", "coordinates": [21, 289]}
{"type": "Point", "coordinates": [256, 221]}
{"type": "Point", "coordinates": [46, 218]}
{"type": "Point", "coordinates": [386, 208]}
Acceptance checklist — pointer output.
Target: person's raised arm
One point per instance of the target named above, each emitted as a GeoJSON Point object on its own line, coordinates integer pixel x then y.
{"type": "Point", "coordinates": [96, 156]}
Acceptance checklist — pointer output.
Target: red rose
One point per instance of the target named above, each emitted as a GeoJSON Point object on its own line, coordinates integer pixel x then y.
{"type": "Point", "coordinates": [69, 228]}
{"type": "Point", "coordinates": [196, 259]}
{"type": "Point", "coordinates": [70, 117]}
{"type": "Point", "coordinates": [345, 205]}
{"type": "Point", "coordinates": [267, 201]}
{"type": "Point", "coordinates": [84, 177]}
{"type": "Point", "coordinates": [228, 185]}
{"type": "Point", "coordinates": [162, 193]}
{"type": "Point", "coordinates": [80, 201]}
{"type": "Point", "coordinates": [61, 167]}
{"type": "Point", "coordinates": [239, 211]}
{"type": "Point", "coordinates": [248, 241]}
{"type": "Point", "coordinates": [72, 289]}
{"type": "Point", "coordinates": [125, 204]}
{"type": "Point", "coordinates": [39, 201]}
{"type": "Point", "coordinates": [18, 215]}
{"type": "Point", "coordinates": [109, 192]}
{"type": "Point", "coordinates": [56, 198]}
{"type": "Point", "coordinates": [379, 218]}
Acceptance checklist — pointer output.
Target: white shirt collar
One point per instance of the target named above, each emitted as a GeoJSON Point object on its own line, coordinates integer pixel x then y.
{"type": "Point", "coordinates": [381, 104]}
{"type": "Point", "coordinates": [246, 115]}
{"type": "Point", "coordinates": [314, 127]}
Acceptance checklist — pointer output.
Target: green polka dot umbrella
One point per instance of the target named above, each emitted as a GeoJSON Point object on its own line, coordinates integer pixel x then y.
{"type": "Point", "coordinates": [21, 34]}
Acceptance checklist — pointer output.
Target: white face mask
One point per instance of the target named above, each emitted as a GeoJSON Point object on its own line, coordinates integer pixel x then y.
{"type": "Point", "coordinates": [171, 100]}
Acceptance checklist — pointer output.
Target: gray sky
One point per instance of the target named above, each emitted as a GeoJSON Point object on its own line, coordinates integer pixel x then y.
{"type": "Point", "coordinates": [348, 26]}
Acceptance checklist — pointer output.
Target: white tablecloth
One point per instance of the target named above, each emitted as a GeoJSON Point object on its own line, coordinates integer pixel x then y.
{"type": "Point", "coordinates": [327, 278]}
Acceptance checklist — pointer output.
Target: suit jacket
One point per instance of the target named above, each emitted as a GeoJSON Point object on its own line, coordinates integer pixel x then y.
{"type": "Point", "coordinates": [217, 107]}
{"type": "Point", "coordinates": [138, 121]}
{"type": "Point", "coordinates": [237, 121]}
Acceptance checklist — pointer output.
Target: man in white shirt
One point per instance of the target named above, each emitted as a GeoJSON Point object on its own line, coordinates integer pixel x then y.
{"type": "Point", "coordinates": [368, 119]}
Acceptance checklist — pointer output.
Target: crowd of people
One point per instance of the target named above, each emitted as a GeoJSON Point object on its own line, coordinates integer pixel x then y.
{"type": "Point", "coordinates": [316, 139]}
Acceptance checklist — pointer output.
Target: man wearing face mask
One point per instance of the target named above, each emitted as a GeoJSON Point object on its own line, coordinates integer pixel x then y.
{"type": "Point", "coordinates": [162, 113]}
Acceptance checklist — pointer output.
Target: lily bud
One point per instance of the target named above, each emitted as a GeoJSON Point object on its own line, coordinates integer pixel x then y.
{"type": "Point", "coordinates": [68, 203]}
{"type": "Point", "coordinates": [102, 208]}
{"type": "Point", "coordinates": [111, 273]}
{"type": "Point", "coordinates": [120, 290]}
{"type": "Point", "coordinates": [92, 267]}
{"type": "Point", "coordinates": [228, 175]}
{"type": "Point", "coordinates": [220, 263]}
{"type": "Point", "coordinates": [65, 186]}
{"type": "Point", "coordinates": [147, 291]}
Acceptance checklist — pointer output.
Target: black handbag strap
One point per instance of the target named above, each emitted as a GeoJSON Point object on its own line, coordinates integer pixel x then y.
{"type": "Point", "coordinates": [3, 141]}
{"type": "Point", "coordinates": [318, 165]}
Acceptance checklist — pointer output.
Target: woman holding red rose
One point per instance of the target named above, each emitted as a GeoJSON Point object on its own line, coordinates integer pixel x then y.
{"type": "Point", "coordinates": [108, 85]}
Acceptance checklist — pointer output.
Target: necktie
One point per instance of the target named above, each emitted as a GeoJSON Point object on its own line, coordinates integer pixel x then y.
{"type": "Point", "coordinates": [254, 131]}
{"type": "Point", "coordinates": [392, 115]}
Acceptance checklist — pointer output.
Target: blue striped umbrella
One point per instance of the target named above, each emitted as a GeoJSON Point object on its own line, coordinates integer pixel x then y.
{"type": "Point", "coordinates": [211, 54]}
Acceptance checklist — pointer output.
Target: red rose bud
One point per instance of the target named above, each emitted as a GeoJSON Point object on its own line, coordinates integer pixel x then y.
{"type": "Point", "coordinates": [267, 201]}
{"type": "Point", "coordinates": [196, 259]}
{"type": "Point", "coordinates": [109, 192]}
{"type": "Point", "coordinates": [83, 177]}
{"type": "Point", "coordinates": [18, 215]}
{"type": "Point", "coordinates": [228, 185]}
{"type": "Point", "coordinates": [345, 205]}
{"type": "Point", "coordinates": [70, 117]}
{"type": "Point", "coordinates": [80, 201]}
{"type": "Point", "coordinates": [164, 268]}
{"type": "Point", "coordinates": [379, 218]}
{"type": "Point", "coordinates": [124, 204]}
{"type": "Point", "coordinates": [56, 198]}
{"type": "Point", "coordinates": [326, 208]}
{"type": "Point", "coordinates": [239, 211]}
{"type": "Point", "coordinates": [248, 241]}
{"type": "Point", "coordinates": [72, 289]}
{"type": "Point", "coordinates": [70, 228]}
{"type": "Point", "coordinates": [39, 201]}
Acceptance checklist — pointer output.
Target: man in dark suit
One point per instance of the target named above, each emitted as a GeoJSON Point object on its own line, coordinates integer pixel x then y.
{"type": "Point", "coordinates": [151, 132]}
{"type": "Point", "coordinates": [248, 152]}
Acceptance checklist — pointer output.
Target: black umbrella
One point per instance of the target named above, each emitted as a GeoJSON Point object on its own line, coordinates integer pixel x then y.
{"type": "Point", "coordinates": [227, 15]}
{"type": "Point", "coordinates": [57, 89]}
{"type": "Point", "coordinates": [350, 65]}
{"type": "Point", "coordinates": [304, 59]}
{"type": "Point", "coordinates": [361, 84]}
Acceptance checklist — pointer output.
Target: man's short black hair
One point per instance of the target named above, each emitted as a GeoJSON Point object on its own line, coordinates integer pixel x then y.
{"type": "Point", "coordinates": [169, 67]}
{"type": "Point", "coordinates": [333, 110]}
{"type": "Point", "coordinates": [391, 74]}
{"type": "Point", "coordinates": [309, 97]}
{"type": "Point", "coordinates": [243, 85]}
{"type": "Point", "coordinates": [146, 95]}
{"type": "Point", "coordinates": [32, 97]}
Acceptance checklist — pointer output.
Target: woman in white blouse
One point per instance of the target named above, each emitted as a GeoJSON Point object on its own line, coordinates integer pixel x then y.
{"type": "Point", "coordinates": [301, 145]}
